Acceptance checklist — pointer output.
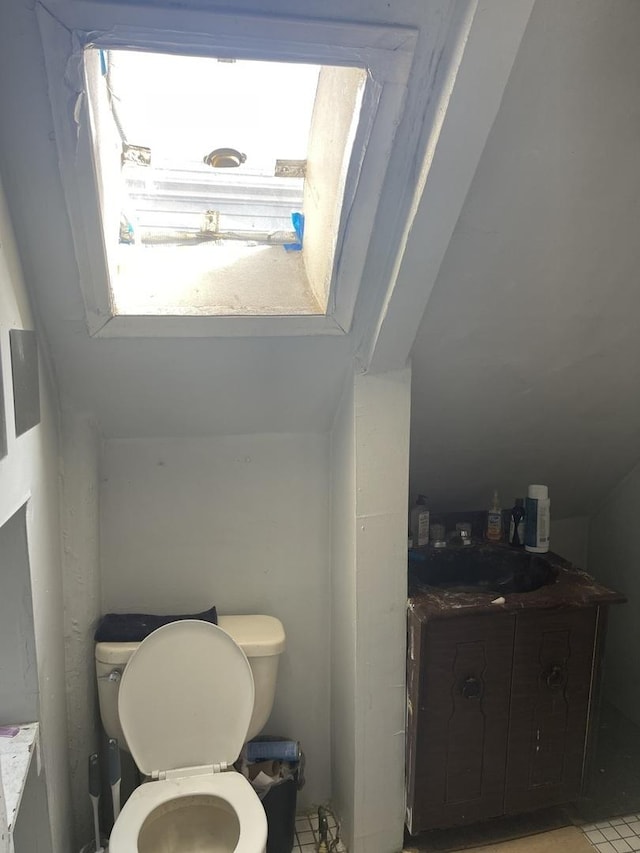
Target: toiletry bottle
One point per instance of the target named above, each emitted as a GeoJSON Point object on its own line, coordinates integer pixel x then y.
{"type": "Point", "coordinates": [537, 521]}
{"type": "Point", "coordinates": [494, 520]}
{"type": "Point", "coordinates": [463, 530]}
{"type": "Point", "coordinates": [438, 535]}
{"type": "Point", "coordinates": [420, 523]}
{"type": "Point", "coordinates": [516, 524]}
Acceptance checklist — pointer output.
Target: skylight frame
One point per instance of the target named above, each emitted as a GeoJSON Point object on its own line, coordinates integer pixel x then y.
{"type": "Point", "coordinates": [179, 269]}
{"type": "Point", "coordinates": [386, 52]}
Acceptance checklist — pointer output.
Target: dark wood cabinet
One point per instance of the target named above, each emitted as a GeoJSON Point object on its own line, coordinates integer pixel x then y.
{"type": "Point", "coordinates": [499, 712]}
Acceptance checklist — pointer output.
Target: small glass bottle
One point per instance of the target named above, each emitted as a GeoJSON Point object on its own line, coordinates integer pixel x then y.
{"type": "Point", "coordinates": [438, 535]}
{"type": "Point", "coordinates": [463, 529]}
{"type": "Point", "coordinates": [494, 520]}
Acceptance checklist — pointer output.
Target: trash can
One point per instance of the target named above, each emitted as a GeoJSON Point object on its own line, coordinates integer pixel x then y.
{"type": "Point", "coordinates": [280, 799]}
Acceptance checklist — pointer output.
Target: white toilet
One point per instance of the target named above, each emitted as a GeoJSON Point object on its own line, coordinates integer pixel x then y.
{"type": "Point", "coordinates": [184, 706]}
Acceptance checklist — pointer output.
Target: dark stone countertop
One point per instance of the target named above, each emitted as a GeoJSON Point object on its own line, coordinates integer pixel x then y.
{"type": "Point", "coordinates": [459, 581]}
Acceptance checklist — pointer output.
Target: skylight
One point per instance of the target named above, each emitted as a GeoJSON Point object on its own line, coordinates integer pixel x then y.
{"type": "Point", "coordinates": [213, 172]}
{"type": "Point", "coordinates": [194, 145]}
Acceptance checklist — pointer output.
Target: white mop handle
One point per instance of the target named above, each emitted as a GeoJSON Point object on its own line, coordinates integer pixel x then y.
{"type": "Point", "coordinates": [115, 794]}
{"type": "Point", "coordinates": [96, 821]}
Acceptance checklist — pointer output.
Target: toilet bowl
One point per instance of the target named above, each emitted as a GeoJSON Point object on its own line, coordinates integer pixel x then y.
{"type": "Point", "coordinates": [217, 813]}
{"type": "Point", "coordinates": [185, 704]}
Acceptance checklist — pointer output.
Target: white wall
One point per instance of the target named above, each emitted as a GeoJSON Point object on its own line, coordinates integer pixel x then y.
{"type": "Point", "coordinates": [343, 612]}
{"type": "Point", "coordinates": [614, 556]}
{"type": "Point", "coordinates": [527, 363]}
{"type": "Point", "coordinates": [82, 606]}
{"type": "Point", "coordinates": [370, 456]}
{"type": "Point", "coordinates": [241, 522]}
{"type": "Point", "coordinates": [569, 537]}
{"type": "Point", "coordinates": [18, 670]}
{"type": "Point", "coordinates": [4, 829]}
{"type": "Point", "coordinates": [29, 473]}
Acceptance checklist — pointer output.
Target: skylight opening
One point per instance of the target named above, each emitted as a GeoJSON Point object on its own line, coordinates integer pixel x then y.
{"type": "Point", "coordinates": [220, 180]}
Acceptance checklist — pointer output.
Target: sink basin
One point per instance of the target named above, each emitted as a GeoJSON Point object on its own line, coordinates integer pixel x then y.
{"type": "Point", "coordinates": [481, 568]}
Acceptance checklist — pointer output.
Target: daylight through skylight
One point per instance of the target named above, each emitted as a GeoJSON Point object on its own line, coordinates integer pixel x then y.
{"type": "Point", "coordinates": [201, 161]}
{"type": "Point", "coordinates": [183, 107]}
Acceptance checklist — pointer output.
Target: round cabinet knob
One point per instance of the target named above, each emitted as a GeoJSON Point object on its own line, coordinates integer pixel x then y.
{"type": "Point", "coordinates": [471, 688]}
{"type": "Point", "coordinates": [555, 677]}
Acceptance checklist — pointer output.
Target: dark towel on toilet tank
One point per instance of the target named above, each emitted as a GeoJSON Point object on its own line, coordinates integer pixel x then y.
{"type": "Point", "coordinates": [133, 627]}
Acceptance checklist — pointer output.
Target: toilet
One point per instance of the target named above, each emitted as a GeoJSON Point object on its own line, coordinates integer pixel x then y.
{"type": "Point", "coordinates": [184, 703]}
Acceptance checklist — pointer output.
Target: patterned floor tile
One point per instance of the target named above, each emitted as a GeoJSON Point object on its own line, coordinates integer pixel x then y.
{"type": "Point", "coordinates": [618, 835]}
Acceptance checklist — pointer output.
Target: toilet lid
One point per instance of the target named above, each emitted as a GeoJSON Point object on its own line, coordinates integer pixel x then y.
{"type": "Point", "coordinates": [186, 698]}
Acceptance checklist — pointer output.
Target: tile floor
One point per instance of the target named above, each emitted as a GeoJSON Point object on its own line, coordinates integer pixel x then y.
{"type": "Point", "coordinates": [307, 833]}
{"type": "Point", "coordinates": [618, 835]}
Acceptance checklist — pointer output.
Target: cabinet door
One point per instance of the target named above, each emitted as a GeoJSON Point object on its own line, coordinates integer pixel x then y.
{"type": "Point", "coordinates": [550, 693]}
{"type": "Point", "coordinates": [458, 682]}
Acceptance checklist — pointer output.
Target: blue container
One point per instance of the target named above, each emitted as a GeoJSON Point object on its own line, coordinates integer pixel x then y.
{"type": "Point", "coordinates": [272, 750]}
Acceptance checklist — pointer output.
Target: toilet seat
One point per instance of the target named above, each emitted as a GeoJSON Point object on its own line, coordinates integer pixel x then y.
{"type": "Point", "coordinates": [231, 787]}
{"type": "Point", "coordinates": [185, 703]}
{"type": "Point", "coordinates": [186, 698]}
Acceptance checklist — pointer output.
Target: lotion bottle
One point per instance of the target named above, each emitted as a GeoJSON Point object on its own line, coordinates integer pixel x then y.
{"type": "Point", "coordinates": [419, 523]}
{"type": "Point", "coordinates": [537, 520]}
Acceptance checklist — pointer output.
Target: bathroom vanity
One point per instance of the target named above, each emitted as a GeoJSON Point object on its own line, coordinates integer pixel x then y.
{"type": "Point", "coordinates": [503, 670]}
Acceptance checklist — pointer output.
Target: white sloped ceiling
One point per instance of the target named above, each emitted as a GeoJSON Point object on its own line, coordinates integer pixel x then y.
{"type": "Point", "coordinates": [526, 367]}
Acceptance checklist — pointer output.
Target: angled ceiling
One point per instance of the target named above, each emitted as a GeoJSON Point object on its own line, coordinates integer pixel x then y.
{"type": "Point", "coordinates": [173, 386]}
{"type": "Point", "coordinates": [527, 359]}
{"type": "Point", "coordinates": [526, 367]}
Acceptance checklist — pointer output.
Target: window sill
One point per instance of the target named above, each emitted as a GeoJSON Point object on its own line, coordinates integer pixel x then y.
{"type": "Point", "coordinates": [176, 326]}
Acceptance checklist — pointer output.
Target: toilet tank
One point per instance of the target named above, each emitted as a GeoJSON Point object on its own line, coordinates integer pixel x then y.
{"type": "Point", "coordinates": [262, 639]}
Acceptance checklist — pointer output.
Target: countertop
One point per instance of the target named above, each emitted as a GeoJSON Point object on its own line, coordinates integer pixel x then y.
{"type": "Point", "coordinates": [569, 588]}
